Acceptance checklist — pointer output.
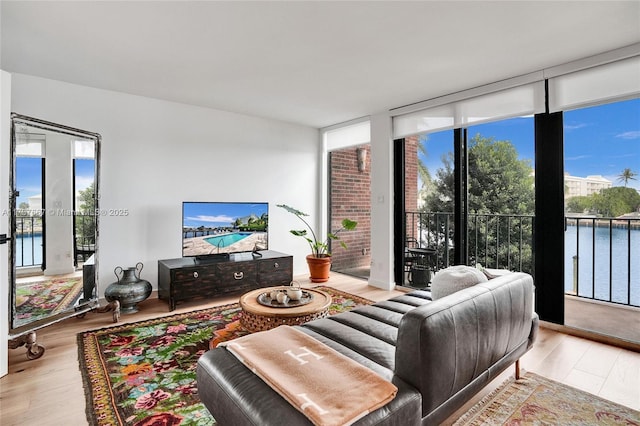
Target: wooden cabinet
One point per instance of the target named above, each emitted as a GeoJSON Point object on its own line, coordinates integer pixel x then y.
{"type": "Point", "coordinates": [187, 278]}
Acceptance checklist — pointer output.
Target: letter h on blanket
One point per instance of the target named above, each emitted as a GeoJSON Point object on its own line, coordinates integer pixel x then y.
{"type": "Point", "coordinates": [306, 352]}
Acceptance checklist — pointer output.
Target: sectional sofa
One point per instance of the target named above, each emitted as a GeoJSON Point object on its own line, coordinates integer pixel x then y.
{"type": "Point", "coordinates": [438, 353]}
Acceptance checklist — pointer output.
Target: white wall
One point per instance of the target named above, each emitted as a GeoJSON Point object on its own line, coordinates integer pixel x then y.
{"type": "Point", "coordinates": [5, 111]}
{"type": "Point", "coordinates": [156, 154]}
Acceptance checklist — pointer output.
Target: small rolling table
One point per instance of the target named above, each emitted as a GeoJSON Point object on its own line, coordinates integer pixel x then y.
{"type": "Point", "coordinates": [258, 317]}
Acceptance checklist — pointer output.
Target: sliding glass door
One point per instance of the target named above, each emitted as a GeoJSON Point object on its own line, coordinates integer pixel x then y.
{"type": "Point", "coordinates": [602, 207]}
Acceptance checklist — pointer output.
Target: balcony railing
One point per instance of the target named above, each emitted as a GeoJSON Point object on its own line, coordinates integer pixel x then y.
{"type": "Point", "coordinates": [28, 241]}
{"type": "Point", "coordinates": [495, 241]}
{"type": "Point", "coordinates": [599, 259]}
{"type": "Point", "coordinates": [598, 252]}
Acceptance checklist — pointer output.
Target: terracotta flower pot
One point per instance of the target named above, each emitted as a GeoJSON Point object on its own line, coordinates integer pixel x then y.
{"type": "Point", "coordinates": [319, 268]}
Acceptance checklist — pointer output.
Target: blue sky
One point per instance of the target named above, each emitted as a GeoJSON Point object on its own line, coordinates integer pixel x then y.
{"type": "Point", "coordinates": [219, 214]}
{"type": "Point", "coordinates": [601, 140]}
{"type": "Point", "coordinates": [29, 176]}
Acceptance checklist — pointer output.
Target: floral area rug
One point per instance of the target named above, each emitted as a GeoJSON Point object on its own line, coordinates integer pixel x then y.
{"type": "Point", "coordinates": [40, 299]}
{"type": "Point", "coordinates": [535, 400]}
{"type": "Point", "coordinates": [144, 373]}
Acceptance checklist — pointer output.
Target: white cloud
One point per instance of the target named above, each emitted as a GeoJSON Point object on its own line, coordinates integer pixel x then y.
{"type": "Point", "coordinates": [83, 182]}
{"type": "Point", "coordinates": [579, 157]}
{"type": "Point", "coordinates": [222, 218]}
{"type": "Point", "coordinates": [568, 126]}
{"type": "Point", "coordinates": [633, 134]}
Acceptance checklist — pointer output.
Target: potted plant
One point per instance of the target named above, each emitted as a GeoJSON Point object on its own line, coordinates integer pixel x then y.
{"type": "Point", "coordinates": [319, 260]}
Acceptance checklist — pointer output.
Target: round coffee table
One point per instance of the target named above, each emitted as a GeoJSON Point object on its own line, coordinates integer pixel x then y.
{"type": "Point", "coordinates": [258, 317]}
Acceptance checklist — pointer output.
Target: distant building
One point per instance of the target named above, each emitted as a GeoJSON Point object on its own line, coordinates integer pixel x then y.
{"type": "Point", "coordinates": [579, 186]}
{"type": "Point", "coordinates": [35, 203]}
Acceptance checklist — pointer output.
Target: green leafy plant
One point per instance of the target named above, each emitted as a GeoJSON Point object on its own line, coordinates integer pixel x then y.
{"type": "Point", "coordinates": [319, 248]}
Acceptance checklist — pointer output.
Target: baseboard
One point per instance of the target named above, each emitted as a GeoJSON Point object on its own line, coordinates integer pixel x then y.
{"type": "Point", "coordinates": [592, 335]}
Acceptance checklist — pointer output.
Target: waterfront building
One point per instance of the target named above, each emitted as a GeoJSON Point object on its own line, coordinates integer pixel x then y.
{"type": "Point", "coordinates": [580, 186]}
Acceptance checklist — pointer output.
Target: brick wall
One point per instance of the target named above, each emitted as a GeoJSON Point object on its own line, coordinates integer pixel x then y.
{"type": "Point", "coordinates": [411, 174]}
{"type": "Point", "coordinates": [351, 198]}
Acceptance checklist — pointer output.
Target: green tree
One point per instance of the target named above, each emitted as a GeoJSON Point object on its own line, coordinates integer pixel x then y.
{"type": "Point", "coordinates": [85, 219]}
{"type": "Point", "coordinates": [616, 201]}
{"type": "Point", "coordinates": [499, 184]}
{"type": "Point", "coordinates": [87, 199]}
{"type": "Point", "coordinates": [627, 175]}
{"type": "Point", "coordinates": [580, 204]}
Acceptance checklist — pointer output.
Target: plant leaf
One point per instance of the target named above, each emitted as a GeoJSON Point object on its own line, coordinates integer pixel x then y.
{"type": "Point", "coordinates": [292, 210]}
{"type": "Point", "coordinates": [349, 224]}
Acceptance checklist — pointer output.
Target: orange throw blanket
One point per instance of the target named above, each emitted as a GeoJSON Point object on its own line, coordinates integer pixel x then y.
{"type": "Point", "coordinates": [326, 386]}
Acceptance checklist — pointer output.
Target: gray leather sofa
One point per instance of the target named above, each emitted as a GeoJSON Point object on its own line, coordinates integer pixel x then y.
{"type": "Point", "coordinates": [438, 353]}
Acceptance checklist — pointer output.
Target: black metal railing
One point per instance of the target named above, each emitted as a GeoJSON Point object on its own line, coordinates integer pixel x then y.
{"type": "Point", "coordinates": [600, 255]}
{"type": "Point", "coordinates": [85, 236]}
{"type": "Point", "coordinates": [494, 241]}
{"type": "Point", "coordinates": [28, 240]}
{"type": "Point", "coordinates": [599, 252]}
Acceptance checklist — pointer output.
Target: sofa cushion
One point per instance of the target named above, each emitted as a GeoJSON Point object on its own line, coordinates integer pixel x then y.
{"type": "Point", "coordinates": [455, 278]}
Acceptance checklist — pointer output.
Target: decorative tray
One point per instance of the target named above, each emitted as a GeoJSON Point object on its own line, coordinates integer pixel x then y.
{"type": "Point", "coordinates": [266, 300]}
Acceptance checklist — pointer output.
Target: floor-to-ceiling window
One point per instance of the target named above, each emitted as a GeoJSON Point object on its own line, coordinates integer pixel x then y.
{"type": "Point", "coordinates": [602, 205]}
{"type": "Point", "coordinates": [84, 217]}
{"type": "Point", "coordinates": [475, 173]}
{"type": "Point", "coordinates": [428, 209]}
{"type": "Point", "coordinates": [501, 200]}
{"type": "Point", "coordinates": [29, 173]}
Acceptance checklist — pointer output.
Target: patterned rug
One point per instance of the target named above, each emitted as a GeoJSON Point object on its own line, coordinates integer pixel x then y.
{"type": "Point", "coordinates": [144, 373]}
{"type": "Point", "coordinates": [40, 299]}
{"type": "Point", "coordinates": [535, 400]}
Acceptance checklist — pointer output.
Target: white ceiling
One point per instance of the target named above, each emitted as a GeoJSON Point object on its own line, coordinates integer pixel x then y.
{"type": "Point", "coordinates": [312, 63]}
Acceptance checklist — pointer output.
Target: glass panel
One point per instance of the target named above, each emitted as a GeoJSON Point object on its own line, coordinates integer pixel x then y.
{"type": "Point", "coordinates": [501, 194]}
{"type": "Point", "coordinates": [602, 204]}
{"type": "Point", "coordinates": [428, 206]}
{"type": "Point", "coordinates": [85, 215]}
{"type": "Point", "coordinates": [29, 243]}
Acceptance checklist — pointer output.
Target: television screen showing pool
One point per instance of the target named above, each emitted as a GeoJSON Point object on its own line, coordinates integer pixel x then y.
{"type": "Point", "coordinates": [218, 228]}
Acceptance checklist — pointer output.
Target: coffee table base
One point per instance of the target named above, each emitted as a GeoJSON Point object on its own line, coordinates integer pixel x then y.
{"type": "Point", "coordinates": [253, 322]}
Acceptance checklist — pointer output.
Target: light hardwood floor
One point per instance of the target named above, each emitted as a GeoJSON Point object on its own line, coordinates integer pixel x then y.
{"type": "Point", "coordinates": [48, 391]}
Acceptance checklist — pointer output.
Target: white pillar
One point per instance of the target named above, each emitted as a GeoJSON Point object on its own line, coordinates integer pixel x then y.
{"type": "Point", "coordinates": [381, 202]}
{"type": "Point", "coordinates": [59, 204]}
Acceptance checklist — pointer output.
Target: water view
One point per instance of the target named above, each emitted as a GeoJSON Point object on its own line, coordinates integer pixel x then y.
{"type": "Point", "coordinates": [29, 250]}
{"type": "Point", "coordinates": [607, 263]}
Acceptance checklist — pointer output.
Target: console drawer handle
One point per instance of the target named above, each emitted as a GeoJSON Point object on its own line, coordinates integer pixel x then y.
{"type": "Point", "coordinates": [195, 274]}
{"type": "Point", "coordinates": [276, 265]}
{"type": "Point", "coordinates": [238, 275]}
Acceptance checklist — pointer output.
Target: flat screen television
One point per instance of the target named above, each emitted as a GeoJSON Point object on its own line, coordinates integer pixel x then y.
{"type": "Point", "coordinates": [212, 229]}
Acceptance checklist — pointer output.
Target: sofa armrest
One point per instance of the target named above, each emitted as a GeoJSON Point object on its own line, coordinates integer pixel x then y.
{"type": "Point", "coordinates": [445, 345]}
